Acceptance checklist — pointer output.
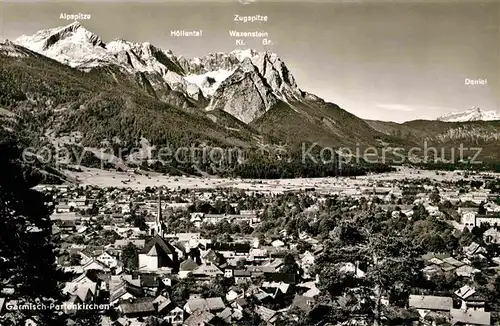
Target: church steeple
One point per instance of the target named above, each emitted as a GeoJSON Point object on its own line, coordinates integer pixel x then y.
{"type": "Point", "coordinates": [159, 218]}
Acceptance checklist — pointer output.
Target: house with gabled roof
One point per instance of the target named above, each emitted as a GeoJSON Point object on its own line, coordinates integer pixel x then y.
{"type": "Point", "coordinates": [308, 289]}
{"type": "Point", "coordinates": [196, 218]}
{"type": "Point", "coordinates": [158, 253]}
{"type": "Point", "coordinates": [240, 304]}
{"type": "Point", "coordinates": [466, 271]}
{"type": "Point", "coordinates": [93, 280]}
{"type": "Point", "coordinates": [302, 303]}
{"type": "Point", "coordinates": [199, 318]}
{"type": "Point", "coordinates": [140, 307]}
{"type": "Point", "coordinates": [431, 271]}
{"type": "Point", "coordinates": [207, 271]}
{"type": "Point", "coordinates": [470, 317]}
{"type": "Point", "coordinates": [488, 218]}
{"type": "Point", "coordinates": [468, 216]}
{"type": "Point", "coordinates": [241, 276]}
{"type": "Point", "coordinates": [108, 259]}
{"type": "Point", "coordinates": [474, 250]}
{"type": "Point", "coordinates": [187, 267]}
{"type": "Point", "coordinates": [233, 294]}
{"type": "Point", "coordinates": [212, 305]}
{"type": "Point", "coordinates": [94, 264]}
{"type": "Point", "coordinates": [124, 288]}
{"type": "Point", "coordinates": [470, 299]}
{"type": "Point", "coordinates": [229, 250]}
{"type": "Point", "coordinates": [226, 315]}
{"type": "Point", "coordinates": [267, 315]}
{"type": "Point", "coordinates": [492, 236]}
{"type": "Point", "coordinates": [169, 311]}
{"type": "Point", "coordinates": [121, 243]}
{"type": "Point", "coordinates": [82, 293]}
{"type": "Point", "coordinates": [276, 289]}
{"type": "Point", "coordinates": [431, 305]}
{"type": "Point", "coordinates": [212, 256]}
{"type": "Point", "coordinates": [256, 254]}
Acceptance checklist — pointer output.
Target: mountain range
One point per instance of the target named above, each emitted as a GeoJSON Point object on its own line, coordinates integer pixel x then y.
{"type": "Point", "coordinates": [214, 79]}
{"type": "Point", "coordinates": [66, 85]}
{"type": "Point", "coordinates": [473, 114]}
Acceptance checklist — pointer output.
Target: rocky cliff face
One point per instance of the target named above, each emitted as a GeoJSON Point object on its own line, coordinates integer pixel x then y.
{"type": "Point", "coordinates": [245, 95]}
{"type": "Point", "coordinates": [244, 83]}
{"type": "Point", "coordinates": [253, 84]}
{"type": "Point", "coordinates": [279, 77]}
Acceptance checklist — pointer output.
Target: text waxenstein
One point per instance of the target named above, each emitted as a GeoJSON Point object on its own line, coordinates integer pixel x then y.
{"type": "Point", "coordinates": [249, 34]}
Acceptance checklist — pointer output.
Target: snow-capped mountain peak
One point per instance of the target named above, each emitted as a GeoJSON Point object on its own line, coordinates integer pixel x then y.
{"type": "Point", "coordinates": [71, 44]}
{"type": "Point", "coordinates": [79, 48]}
{"type": "Point", "coordinates": [473, 114]}
{"type": "Point", "coordinates": [45, 39]}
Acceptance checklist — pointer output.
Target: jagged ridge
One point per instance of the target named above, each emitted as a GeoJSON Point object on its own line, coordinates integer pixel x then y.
{"type": "Point", "coordinates": [473, 114]}
{"type": "Point", "coordinates": [195, 81]}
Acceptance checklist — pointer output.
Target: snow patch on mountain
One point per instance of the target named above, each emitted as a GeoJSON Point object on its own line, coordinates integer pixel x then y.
{"type": "Point", "coordinates": [209, 81]}
{"type": "Point", "coordinates": [181, 84]}
{"type": "Point", "coordinates": [242, 54]}
{"type": "Point", "coordinates": [473, 114]}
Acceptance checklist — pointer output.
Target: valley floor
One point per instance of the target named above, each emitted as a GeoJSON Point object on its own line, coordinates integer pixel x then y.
{"type": "Point", "coordinates": [105, 178]}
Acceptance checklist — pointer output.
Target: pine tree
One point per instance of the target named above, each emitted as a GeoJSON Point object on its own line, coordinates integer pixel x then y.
{"type": "Point", "coordinates": [27, 258]}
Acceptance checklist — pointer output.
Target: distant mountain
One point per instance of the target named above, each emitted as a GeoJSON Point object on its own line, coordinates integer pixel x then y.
{"type": "Point", "coordinates": [67, 86]}
{"type": "Point", "coordinates": [446, 137]}
{"type": "Point", "coordinates": [473, 114]}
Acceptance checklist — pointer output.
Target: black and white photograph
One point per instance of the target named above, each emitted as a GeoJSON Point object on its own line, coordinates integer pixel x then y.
{"type": "Point", "coordinates": [249, 162]}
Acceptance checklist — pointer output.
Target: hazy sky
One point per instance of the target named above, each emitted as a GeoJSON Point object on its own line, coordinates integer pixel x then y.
{"type": "Point", "coordinates": [386, 60]}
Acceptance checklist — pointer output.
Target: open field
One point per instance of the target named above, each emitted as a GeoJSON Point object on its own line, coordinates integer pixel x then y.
{"type": "Point", "coordinates": [103, 178]}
